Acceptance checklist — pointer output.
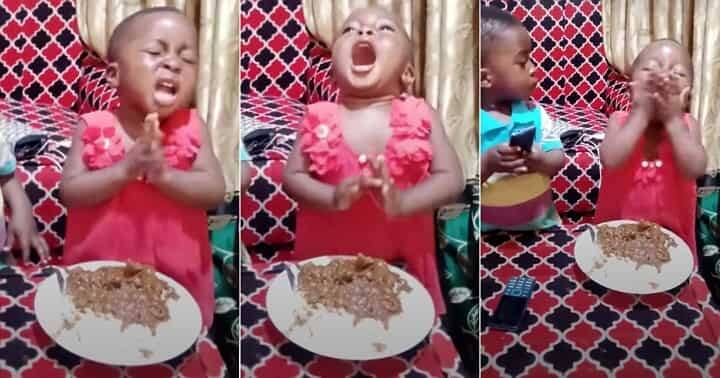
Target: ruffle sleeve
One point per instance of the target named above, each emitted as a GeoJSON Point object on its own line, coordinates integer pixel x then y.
{"type": "Point", "coordinates": [409, 153]}
{"type": "Point", "coordinates": [320, 138]}
{"type": "Point", "coordinates": [103, 146]}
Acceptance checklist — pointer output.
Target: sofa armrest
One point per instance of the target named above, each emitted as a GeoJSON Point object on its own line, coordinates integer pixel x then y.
{"type": "Point", "coordinates": [320, 82]}
{"type": "Point", "coordinates": [617, 94]}
{"type": "Point", "coordinates": [94, 91]}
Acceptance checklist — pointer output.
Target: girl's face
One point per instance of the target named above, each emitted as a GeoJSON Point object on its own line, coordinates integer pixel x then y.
{"type": "Point", "coordinates": [663, 61]}
{"type": "Point", "coordinates": [507, 70]}
{"type": "Point", "coordinates": [156, 71]}
{"type": "Point", "coordinates": [371, 55]}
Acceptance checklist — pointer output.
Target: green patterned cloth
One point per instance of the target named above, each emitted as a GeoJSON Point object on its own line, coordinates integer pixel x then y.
{"type": "Point", "coordinates": [708, 232]}
{"type": "Point", "coordinates": [224, 235]}
{"type": "Point", "coordinates": [458, 231]}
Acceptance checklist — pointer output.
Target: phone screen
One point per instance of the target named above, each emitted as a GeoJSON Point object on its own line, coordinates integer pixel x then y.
{"type": "Point", "coordinates": [509, 313]}
{"type": "Point", "coordinates": [523, 138]}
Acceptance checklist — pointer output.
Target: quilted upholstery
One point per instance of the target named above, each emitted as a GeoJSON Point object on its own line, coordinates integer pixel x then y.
{"type": "Point", "coordinates": [46, 77]}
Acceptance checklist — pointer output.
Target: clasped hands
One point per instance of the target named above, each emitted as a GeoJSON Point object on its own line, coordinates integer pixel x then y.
{"type": "Point", "coordinates": [375, 177]}
{"type": "Point", "coordinates": [146, 159]}
{"type": "Point", "coordinates": [660, 94]}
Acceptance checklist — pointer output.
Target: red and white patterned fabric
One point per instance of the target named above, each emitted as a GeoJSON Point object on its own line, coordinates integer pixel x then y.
{"type": "Point", "coordinates": [576, 328]}
{"type": "Point", "coordinates": [265, 352]}
{"type": "Point", "coordinates": [268, 213]}
{"type": "Point", "coordinates": [40, 51]}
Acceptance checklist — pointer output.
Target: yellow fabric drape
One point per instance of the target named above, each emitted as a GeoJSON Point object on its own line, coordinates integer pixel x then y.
{"type": "Point", "coordinates": [218, 65]}
{"type": "Point", "coordinates": [444, 35]}
{"type": "Point", "coordinates": [629, 25]}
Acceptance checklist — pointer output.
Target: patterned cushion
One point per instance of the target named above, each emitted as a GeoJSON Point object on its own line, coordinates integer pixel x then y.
{"type": "Point", "coordinates": [94, 91]}
{"type": "Point", "coordinates": [41, 175]}
{"type": "Point", "coordinates": [576, 187]}
{"type": "Point", "coordinates": [321, 84]}
{"type": "Point", "coordinates": [40, 51]}
{"type": "Point", "coordinates": [274, 48]}
{"type": "Point", "coordinates": [268, 214]}
{"type": "Point", "coordinates": [617, 93]}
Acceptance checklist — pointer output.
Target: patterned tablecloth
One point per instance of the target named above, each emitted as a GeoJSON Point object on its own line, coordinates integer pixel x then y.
{"type": "Point", "coordinates": [265, 352]}
{"type": "Point", "coordinates": [577, 328]}
{"type": "Point", "coordinates": [27, 351]}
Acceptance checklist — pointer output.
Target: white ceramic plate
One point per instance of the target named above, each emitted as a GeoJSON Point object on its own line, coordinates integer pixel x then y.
{"type": "Point", "coordinates": [621, 275]}
{"type": "Point", "coordinates": [332, 334]}
{"type": "Point", "coordinates": [100, 339]}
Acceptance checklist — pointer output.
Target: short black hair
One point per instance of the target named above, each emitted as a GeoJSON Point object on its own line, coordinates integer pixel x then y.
{"type": "Point", "coordinates": [493, 21]}
{"type": "Point", "coordinates": [119, 35]}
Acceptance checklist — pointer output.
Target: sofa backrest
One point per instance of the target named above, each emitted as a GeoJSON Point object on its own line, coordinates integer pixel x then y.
{"type": "Point", "coordinates": [40, 51]}
{"type": "Point", "coordinates": [274, 49]}
{"type": "Point", "coordinates": [567, 48]}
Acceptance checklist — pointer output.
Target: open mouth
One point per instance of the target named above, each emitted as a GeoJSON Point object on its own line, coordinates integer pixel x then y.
{"type": "Point", "coordinates": [363, 57]}
{"type": "Point", "coordinates": [165, 92]}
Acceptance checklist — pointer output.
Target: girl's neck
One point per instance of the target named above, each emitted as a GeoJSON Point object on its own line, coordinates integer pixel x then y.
{"type": "Point", "coordinates": [353, 102]}
{"type": "Point", "coordinates": [130, 120]}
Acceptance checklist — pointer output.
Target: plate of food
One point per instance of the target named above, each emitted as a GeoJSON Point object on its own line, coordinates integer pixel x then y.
{"type": "Point", "coordinates": [350, 307]}
{"type": "Point", "coordinates": [633, 257]}
{"type": "Point", "coordinates": [117, 313]}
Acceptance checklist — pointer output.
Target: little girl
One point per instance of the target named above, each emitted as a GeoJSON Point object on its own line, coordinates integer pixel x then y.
{"type": "Point", "coordinates": [652, 156]}
{"type": "Point", "coordinates": [368, 171]}
{"type": "Point", "coordinates": [138, 180]}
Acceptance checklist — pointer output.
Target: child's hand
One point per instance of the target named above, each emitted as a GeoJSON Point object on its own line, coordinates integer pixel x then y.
{"type": "Point", "coordinates": [671, 100]}
{"type": "Point", "coordinates": [348, 191]}
{"type": "Point", "coordinates": [137, 160]}
{"type": "Point", "coordinates": [392, 198]}
{"type": "Point", "coordinates": [535, 160]}
{"type": "Point", "coordinates": [152, 133]}
{"type": "Point", "coordinates": [22, 228]}
{"type": "Point", "coordinates": [643, 96]}
{"type": "Point", "coordinates": [504, 158]}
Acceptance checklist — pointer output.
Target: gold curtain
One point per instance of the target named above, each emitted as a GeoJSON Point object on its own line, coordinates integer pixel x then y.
{"type": "Point", "coordinates": [444, 35]}
{"type": "Point", "coordinates": [218, 65]}
{"type": "Point", "coordinates": [630, 24]}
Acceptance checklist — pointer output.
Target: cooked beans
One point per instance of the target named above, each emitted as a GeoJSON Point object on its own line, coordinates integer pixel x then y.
{"type": "Point", "coordinates": [132, 293]}
{"type": "Point", "coordinates": [362, 286]}
{"type": "Point", "coordinates": [644, 243]}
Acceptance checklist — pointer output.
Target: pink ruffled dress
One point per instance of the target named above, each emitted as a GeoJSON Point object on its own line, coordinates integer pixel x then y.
{"type": "Point", "coordinates": [364, 228]}
{"type": "Point", "coordinates": [140, 223]}
{"type": "Point", "coordinates": [655, 191]}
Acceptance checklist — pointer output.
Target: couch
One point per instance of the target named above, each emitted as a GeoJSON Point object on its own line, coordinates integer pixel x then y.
{"type": "Point", "coordinates": [47, 78]}
{"type": "Point", "coordinates": [282, 70]}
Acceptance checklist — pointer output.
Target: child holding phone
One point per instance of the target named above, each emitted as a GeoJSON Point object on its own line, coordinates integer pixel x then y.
{"type": "Point", "coordinates": [518, 154]}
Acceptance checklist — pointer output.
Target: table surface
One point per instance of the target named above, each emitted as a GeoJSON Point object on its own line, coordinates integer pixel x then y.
{"type": "Point", "coordinates": [27, 351]}
{"type": "Point", "coordinates": [265, 352]}
{"type": "Point", "coordinates": [575, 327]}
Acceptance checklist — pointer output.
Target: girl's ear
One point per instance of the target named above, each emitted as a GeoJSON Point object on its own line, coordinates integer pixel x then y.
{"type": "Point", "coordinates": [408, 78]}
{"type": "Point", "coordinates": [113, 74]}
{"type": "Point", "coordinates": [485, 78]}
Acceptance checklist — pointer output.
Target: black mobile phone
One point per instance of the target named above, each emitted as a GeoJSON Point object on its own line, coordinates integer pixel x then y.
{"type": "Point", "coordinates": [523, 138]}
{"type": "Point", "coordinates": [511, 311]}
